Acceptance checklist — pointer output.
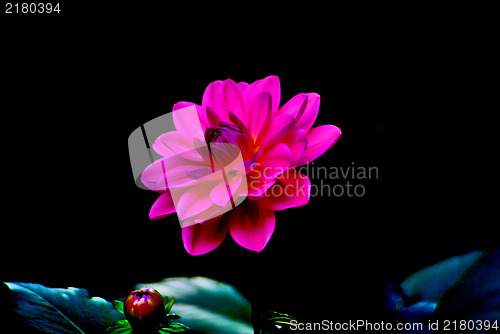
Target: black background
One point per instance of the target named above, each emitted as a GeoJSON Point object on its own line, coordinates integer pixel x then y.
{"type": "Point", "coordinates": [406, 86]}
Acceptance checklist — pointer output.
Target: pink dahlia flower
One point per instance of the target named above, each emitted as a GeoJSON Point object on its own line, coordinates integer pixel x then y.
{"type": "Point", "coordinates": [257, 143]}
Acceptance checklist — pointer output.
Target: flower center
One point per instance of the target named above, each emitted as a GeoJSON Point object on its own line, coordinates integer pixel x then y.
{"type": "Point", "coordinates": [211, 134]}
{"type": "Point", "coordinates": [224, 133]}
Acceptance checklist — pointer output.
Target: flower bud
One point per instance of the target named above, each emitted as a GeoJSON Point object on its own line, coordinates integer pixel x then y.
{"type": "Point", "coordinates": [144, 308]}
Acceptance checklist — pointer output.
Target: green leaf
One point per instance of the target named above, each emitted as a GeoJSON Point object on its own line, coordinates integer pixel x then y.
{"type": "Point", "coordinates": [120, 327]}
{"type": "Point", "coordinates": [476, 296]}
{"type": "Point", "coordinates": [163, 331]}
{"type": "Point", "coordinates": [119, 306]}
{"type": "Point", "coordinates": [66, 311]}
{"type": "Point", "coordinates": [276, 316]}
{"type": "Point", "coordinates": [172, 316]}
{"type": "Point", "coordinates": [465, 287]}
{"type": "Point", "coordinates": [175, 327]}
{"type": "Point", "coordinates": [429, 284]}
{"type": "Point", "coordinates": [206, 305]}
{"type": "Point", "coordinates": [168, 307]}
{"type": "Point", "coordinates": [272, 321]}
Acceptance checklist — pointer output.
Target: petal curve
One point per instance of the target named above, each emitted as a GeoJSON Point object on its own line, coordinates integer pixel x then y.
{"type": "Point", "coordinates": [162, 207]}
{"type": "Point", "coordinates": [296, 140]}
{"type": "Point", "coordinates": [291, 190]}
{"type": "Point", "coordinates": [251, 225]}
{"type": "Point", "coordinates": [269, 84]}
{"type": "Point", "coordinates": [201, 111]}
{"type": "Point", "coordinates": [319, 140]}
{"type": "Point", "coordinates": [199, 239]}
{"type": "Point", "coordinates": [214, 97]}
{"type": "Point", "coordinates": [261, 114]}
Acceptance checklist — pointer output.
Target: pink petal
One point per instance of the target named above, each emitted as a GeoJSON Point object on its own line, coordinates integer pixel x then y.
{"type": "Point", "coordinates": [212, 117]}
{"type": "Point", "coordinates": [292, 106]}
{"type": "Point", "coordinates": [162, 207]}
{"type": "Point", "coordinates": [225, 96]}
{"type": "Point", "coordinates": [201, 112]}
{"type": "Point", "coordinates": [174, 171]}
{"type": "Point", "coordinates": [251, 225]}
{"type": "Point", "coordinates": [180, 143]}
{"type": "Point", "coordinates": [220, 195]}
{"type": "Point", "coordinates": [260, 114]}
{"type": "Point", "coordinates": [198, 173]}
{"type": "Point", "coordinates": [274, 161]}
{"type": "Point", "coordinates": [187, 123]}
{"type": "Point", "coordinates": [234, 100]}
{"type": "Point", "coordinates": [193, 202]}
{"type": "Point", "coordinates": [244, 141]}
{"type": "Point", "coordinates": [205, 217]}
{"type": "Point", "coordinates": [320, 139]}
{"type": "Point", "coordinates": [199, 239]}
{"type": "Point", "coordinates": [275, 130]}
{"type": "Point", "coordinates": [153, 176]}
{"type": "Point", "coordinates": [162, 148]}
{"type": "Point", "coordinates": [239, 189]}
{"type": "Point", "coordinates": [305, 117]}
{"type": "Point", "coordinates": [187, 176]}
{"type": "Point", "coordinates": [269, 84]}
{"type": "Point", "coordinates": [243, 85]}
{"type": "Point", "coordinates": [292, 189]}
{"type": "Point", "coordinates": [214, 98]}
{"type": "Point", "coordinates": [296, 140]}
{"type": "Point", "coordinates": [256, 187]}
{"type": "Point", "coordinates": [309, 115]}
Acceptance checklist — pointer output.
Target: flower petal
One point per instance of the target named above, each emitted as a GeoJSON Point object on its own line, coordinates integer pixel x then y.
{"type": "Point", "coordinates": [320, 139]}
{"type": "Point", "coordinates": [193, 202]}
{"type": "Point", "coordinates": [274, 161]}
{"type": "Point", "coordinates": [162, 207]}
{"type": "Point", "coordinates": [201, 112]}
{"type": "Point", "coordinates": [269, 84]}
{"type": "Point", "coordinates": [154, 177]}
{"type": "Point", "coordinates": [292, 106]}
{"type": "Point", "coordinates": [225, 96]}
{"type": "Point", "coordinates": [205, 217]}
{"type": "Point", "coordinates": [251, 225]}
{"type": "Point", "coordinates": [292, 189]}
{"type": "Point", "coordinates": [296, 140]}
{"type": "Point", "coordinates": [275, 130]}
{"type": "Point", "coordinates": [172, 172]}
{"type": "Point", "coordinates": [214, 97]}
{"type": "Point", "coordinates": [180, 143]}
{"type": "Point", "coordinates": [243, 85]}
{"type": "Point", "coordinates": [234, 100]}
{"type": "Point", "coordinates": [256, 187]}
{"type": "Point", "coordinates": [199, 239]}
{"type": "Point", "coordinates": [260, 114]}
{"type": "Point", "coordinates": [187, 123]}
{"type": "Point", "coordinates": [305, 117]}
{"type": "Point", "coordinates": [220, 194]}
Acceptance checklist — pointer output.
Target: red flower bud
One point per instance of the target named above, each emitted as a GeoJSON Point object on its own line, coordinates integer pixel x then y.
{"type": "Point", "coordinates": [144, 308]}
